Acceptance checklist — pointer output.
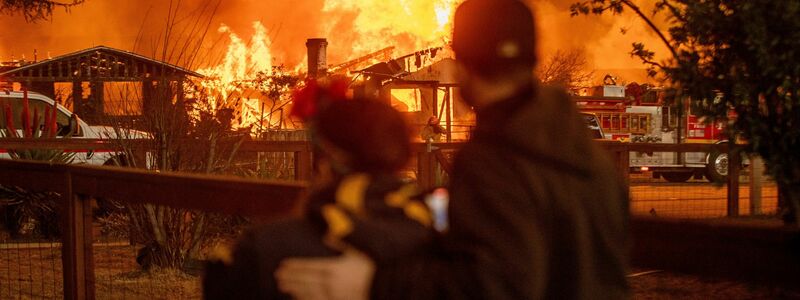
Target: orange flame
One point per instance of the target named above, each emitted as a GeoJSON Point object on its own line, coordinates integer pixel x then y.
{"type": "Point", "coordinates": [230, 84]}
{"type": "Point", "coordinates": [409, 25]}
{"type": "Point", "coordinates": [406, 25]}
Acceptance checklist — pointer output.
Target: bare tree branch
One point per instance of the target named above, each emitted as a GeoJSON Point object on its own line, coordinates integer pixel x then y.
{"type": "Point", "coordinates": [35, 10]}
{"type": "Point", "coordinates": [568, 69]}
{"type": "Point", "coordinates": [599, 7]}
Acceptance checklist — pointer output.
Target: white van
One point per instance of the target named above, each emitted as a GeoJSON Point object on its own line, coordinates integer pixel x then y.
{"type": "Point", "coordinates": [67, 122]}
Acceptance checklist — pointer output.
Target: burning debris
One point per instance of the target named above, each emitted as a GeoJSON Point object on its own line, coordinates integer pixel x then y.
{"type": "Point", "coordinates": [251, 81]}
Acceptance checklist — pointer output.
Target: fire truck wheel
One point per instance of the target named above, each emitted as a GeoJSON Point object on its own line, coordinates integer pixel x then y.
{"type": "Point", "coordinates": [717, 167]}
{"type": "Point", "coordinates": [677, 177]}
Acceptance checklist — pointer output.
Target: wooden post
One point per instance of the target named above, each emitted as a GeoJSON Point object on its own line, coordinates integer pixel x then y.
{"type": "Point", "coordinates": [435, 100]}
{"type": "Point", "coordinates": [45, 88]}
{"type": "Point", "coordinates": [76, 246]}
{"type": "Point", "coordinates": [449, 111]}
{"type": "Point", "coordinates": [624, 162]}
{"type": "Point", "coordinates": [425, 170]}
{"type": "Point", "coordinates": [77, 98]}
{"type": "Point", "coordinates": [756, 180]}
{"type": "Point", "coordinates": [443, 162]}
{"type": "Point", "coordinates": [302, 165]}
{"type": "Point", "coordinates": [620, 155]}
{"type": "Point", "coordinates": [98, 97]}
{"type": "Point", "coordinates": [734, 164]}
{"type": "Point", "coordinates": [782, 200]}
{"type": "Point", "coordinates": [680, 129]}
{"type": "Point", "coordinates": [148, 95]}
{"type": "Point", "coordinates": [139, 159]}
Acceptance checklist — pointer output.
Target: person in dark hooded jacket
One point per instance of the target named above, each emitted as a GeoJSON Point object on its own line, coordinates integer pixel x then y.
{"type": "Point", "coordinates": [537, 210]}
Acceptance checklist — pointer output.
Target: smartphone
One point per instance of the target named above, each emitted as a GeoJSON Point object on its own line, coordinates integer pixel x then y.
{"type": "Point", "coordinates": [437, 202]}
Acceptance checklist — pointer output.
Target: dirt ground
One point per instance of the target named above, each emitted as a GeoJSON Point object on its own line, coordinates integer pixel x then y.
{"type": "Point", "coordinates": [665, 285]}
{"type": "Point", "coordinates": [28, 272]}
{"type": "Point", "coordinates": [33, 271]}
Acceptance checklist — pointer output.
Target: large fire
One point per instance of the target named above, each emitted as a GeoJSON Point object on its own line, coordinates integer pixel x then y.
{"type": "Point", "coordinates": [395, 28]}
{"type": "Point", "coordinates": [353, 28]}
{"type": "Point", "coordinates": [230, 84]}
{"type": "Point", "coordinates": [408, 24]}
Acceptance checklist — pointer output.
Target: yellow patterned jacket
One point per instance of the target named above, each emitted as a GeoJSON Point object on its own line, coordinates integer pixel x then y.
{"type": "Point", "coordinates": [381, 216]}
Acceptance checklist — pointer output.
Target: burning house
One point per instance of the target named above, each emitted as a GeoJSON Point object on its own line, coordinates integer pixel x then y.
{"type": "Point", "coordinates": [421, 85]}
{"type": "Point", "coordinates": [100, 84]}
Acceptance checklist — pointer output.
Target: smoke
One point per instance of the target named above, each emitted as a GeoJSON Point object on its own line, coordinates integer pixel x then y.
{"type": "Point", "coordinates": [118, 23]}
{"type": "Point", "coordinates": [605, 39]}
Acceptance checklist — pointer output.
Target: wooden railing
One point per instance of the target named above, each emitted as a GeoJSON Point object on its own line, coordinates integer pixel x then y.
{"type": "Point", "coordinates": [620, 153]}
{"type": "Point", "coordinates": [725, 248]}
{"type": "Point", "coordinates": [428, 156]}
{"type": "Point", "coordinates": [302, 150]}
{"type": "Point", "coordinates": [765, 252]}
{"type": "Point", "coordinates": [431, 154]}
{"type": "Point", "coordinates": [77, 184]}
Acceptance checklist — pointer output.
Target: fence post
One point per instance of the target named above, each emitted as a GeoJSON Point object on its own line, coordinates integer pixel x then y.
{"type": "Point", "coordinates": [734, 165]}
{"type": "Point", "coordinates": [76, 246]}
{"type": "Point", "coordinates": [443, 162]}
{"type": "Point", "coordinates": [756, 181]}
{"type": "Point", "coordinates": [425, 176]}
{"type": "Point", "coordinates": [620, 155]}
{"type": "Point", "coordinates": [139, 153]}
{"type": "Point", "coordinates": [624, 163]}
{"type": "Point", "coordinates": [302, 165]}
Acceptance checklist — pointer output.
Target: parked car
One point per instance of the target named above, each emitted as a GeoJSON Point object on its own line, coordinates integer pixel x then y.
{"type": "Point", "coordinates": [68, 123]}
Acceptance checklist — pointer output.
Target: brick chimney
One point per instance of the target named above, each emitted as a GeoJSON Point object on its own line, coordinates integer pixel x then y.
{"type": "Point", "coordinates": [317, 57]}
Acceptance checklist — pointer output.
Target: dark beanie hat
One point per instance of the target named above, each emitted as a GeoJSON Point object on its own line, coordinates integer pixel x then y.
{"type": "Point", "coordinates": [493, 36]}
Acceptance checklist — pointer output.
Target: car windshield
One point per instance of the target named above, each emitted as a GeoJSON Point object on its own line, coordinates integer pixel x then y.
{"type": "Point", "coordinates": [593, 124]}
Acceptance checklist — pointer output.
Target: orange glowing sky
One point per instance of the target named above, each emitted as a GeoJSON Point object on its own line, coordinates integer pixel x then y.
{"type": "Point", "coordinates": [353, 28]}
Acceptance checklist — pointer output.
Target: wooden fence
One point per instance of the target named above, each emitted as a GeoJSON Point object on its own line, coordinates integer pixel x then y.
{"type": "Point", "coordinates": [762, 251]}
{"type": "Point", "coordinates": [77, 184]}
{"type": "Point", "coordinates": [725, 248]}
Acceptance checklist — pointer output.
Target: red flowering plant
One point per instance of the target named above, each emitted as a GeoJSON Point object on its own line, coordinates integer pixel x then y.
{"type": "Point", "coordinates": [32, 127]}
{"type": "Point", "coordinates": [31, 212]}
{"type": "Point", "coordinates": [315, 96]}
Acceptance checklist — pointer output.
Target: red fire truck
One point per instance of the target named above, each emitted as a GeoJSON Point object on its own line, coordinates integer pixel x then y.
{"type": "Point", "coordinates": [651, 117]}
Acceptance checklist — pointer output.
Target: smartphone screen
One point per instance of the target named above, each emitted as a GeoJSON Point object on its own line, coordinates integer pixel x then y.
{"type": "Point", "coordinates": [437, 202]}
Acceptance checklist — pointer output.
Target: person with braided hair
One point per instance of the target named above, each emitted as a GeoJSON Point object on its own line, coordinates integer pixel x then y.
{"type": "Point", "coordinates": [361, 202]}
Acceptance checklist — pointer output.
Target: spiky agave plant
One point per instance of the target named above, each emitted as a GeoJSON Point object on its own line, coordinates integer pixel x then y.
{"type": "Point", "coordinates": [28, 212]}
{"type": "Point", "coordinates": [34, 127]}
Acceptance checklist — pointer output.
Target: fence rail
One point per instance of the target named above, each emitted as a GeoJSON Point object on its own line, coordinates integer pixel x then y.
{"type": "Point", "coordinates": [302, 150]}
{"type": "Point", "coordinates": [715, 248]}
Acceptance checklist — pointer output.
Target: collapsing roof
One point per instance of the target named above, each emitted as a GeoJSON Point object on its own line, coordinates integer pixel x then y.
{"type": "Point", "coordinates": [100, 63]}
{"type": "Point", "coordinates": [402, 66]}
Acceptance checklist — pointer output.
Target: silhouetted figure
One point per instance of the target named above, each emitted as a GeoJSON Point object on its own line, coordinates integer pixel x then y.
{"type": "Point", "coordinates": [362, 203]}
{"type": "Point", "coordinates": [433, 131]}
{"type": "Point", "coordinates": [536, 210]}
